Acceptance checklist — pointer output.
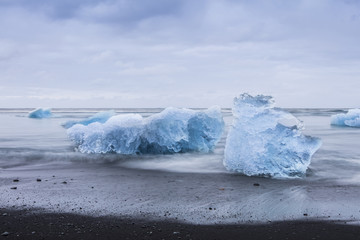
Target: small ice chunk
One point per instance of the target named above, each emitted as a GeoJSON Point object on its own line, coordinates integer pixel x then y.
{"type": "Point", "coordinates": [267, 141]}
{"type": "Point", "coordinates": [170, 131]}
{"type": "Point", "coordinates": [349, 119]}
{"type": "Point", "coordinates": [100, 117]}
{"type": "Point", "coordinates": [40, 113]}
{"type": "Point", "coordinates": [291, 122]}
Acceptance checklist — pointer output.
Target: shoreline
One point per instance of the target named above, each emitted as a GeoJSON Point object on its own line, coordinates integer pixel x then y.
{"type": "Point", "coordinates": [32, 224]}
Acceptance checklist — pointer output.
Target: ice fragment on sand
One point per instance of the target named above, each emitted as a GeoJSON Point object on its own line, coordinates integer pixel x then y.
{"type": "Point", "coordinates": [266, 141]}
{"type": "Point", "coordinates": [170, 131]}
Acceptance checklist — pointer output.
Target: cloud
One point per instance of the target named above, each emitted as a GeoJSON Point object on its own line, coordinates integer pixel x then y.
{"type": "Point", "coordinates": [161, 51]}
{"type": "Point", "coordinates": [129, 11]}
{"type": "Point", "coordinates": [110, 11]}
{"type": "Point", "coordinates": [57, 9]}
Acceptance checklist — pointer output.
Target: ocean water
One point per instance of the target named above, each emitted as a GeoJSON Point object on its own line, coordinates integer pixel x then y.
{"type": "Point", "coordinates": [29, 142]}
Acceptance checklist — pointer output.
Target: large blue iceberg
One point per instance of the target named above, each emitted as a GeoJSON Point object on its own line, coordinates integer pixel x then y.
{"type": "Point", "coordinates": [170, 131]}
{"type": "Point", "coordinates": [100, 117]}
{"type": "Point", "coordinates": [349, 119]}
{"type": "Point", "coordinates": [266, 141]}
{"type": "Point", "coordinates": [40, 113]}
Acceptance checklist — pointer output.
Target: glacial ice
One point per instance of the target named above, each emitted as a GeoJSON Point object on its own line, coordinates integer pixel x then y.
{"type": "Point", "coordinates": [350, 119]}
{"type": "Point", "coordinates": [120, 134]}
{"type": "Point", "coordinates": [267, 141]}
{"type": "Point", "coordinates": [170, 131]}
{"type": "Point", "coordinates": [100, 117]}
{"type": "Point", "coordinates": [40, 113]}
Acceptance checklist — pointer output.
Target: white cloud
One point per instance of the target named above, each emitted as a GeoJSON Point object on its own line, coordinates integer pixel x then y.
{"type": "Point", "coordinates": [179, 52]}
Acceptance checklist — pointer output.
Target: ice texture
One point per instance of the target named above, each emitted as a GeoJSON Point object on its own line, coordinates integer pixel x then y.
{"type": "Point", "coordinates": [100, 117]}
{"type": "Point", "coordinates": [267, 141]}
{"type": "Point", "coordinates": [40, 113]}
{"type": "Point", "coordinates": [349, 119]}
{"type": "Point", "coordinates": [120, 134]}
{"type": "Point", "coordinates": [171, 131]}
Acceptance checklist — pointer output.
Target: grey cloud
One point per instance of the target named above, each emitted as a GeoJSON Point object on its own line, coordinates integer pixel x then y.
{"type": "Point", "coordinates": [125, 12]}
{"type": "Point", "coordinates": [55, 9]}
{"type": "Point", "coordinates": [178, 51]}
{"type": "Point", "coordinates": [207, 21]}
{"type": "Point", "coordinates": [99, 10]}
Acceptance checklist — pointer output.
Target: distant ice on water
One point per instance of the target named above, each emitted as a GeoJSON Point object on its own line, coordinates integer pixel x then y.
{"type": "Point", "coordinates": [349, 119]}
{"type": "Point", "coordinates": [40, 113]}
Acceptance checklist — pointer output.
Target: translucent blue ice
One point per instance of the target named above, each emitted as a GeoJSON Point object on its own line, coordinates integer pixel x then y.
{"type": "Point", "coordinates": [120, 134]}
{"type": "Point", "coordinates": [170, 131]}
{"type": "Point", "coordinates": [350, 119]}
{"type": "Point", "coordinates": [265, 141]}
{"type": "Point", "coordinates": [40, 113]}
{"type": "Point", "coordinates": [100, 117]}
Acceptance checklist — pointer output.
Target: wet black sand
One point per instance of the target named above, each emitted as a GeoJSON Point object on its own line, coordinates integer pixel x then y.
{"type": "Point", "coordinates": [222, 198]}
{"type": "Point", "coordinates": [26, 224]}
{"type": "Point", "coordinates": [90, 201]}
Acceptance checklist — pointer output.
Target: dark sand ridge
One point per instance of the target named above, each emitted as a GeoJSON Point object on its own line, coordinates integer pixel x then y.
{"type": "Point", "coordinates": [29, 225]}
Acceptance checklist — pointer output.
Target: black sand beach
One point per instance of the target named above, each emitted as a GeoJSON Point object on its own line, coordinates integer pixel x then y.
{"type": "Point", "coordinates": [35, 225]}
{"type": "Point", "coordinates": [97, 201]}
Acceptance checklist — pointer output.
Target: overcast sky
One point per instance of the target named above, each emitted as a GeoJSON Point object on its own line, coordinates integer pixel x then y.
{"type": "Point", "coordinates": [183, 53]}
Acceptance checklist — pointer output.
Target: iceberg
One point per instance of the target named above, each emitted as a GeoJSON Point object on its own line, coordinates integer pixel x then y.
{"type": "Point", "coordinates": [40, 113]}
{"type": "Point", "coordinates": [350, 119]}
{"type": "Point", "coordinates": [267, 141]}
{"type": "Point", "coordinates": [171, 131]}
{"type": "Point", "coordinates": [100, 117]}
